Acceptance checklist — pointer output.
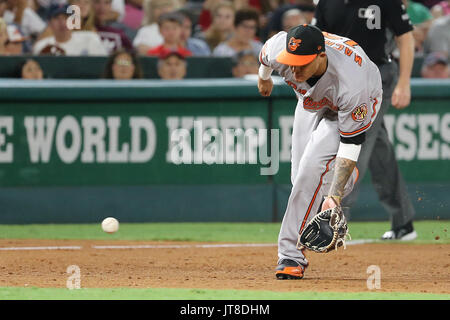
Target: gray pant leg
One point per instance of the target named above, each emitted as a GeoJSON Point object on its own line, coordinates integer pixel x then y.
{"type": "Point", "coordinates": [312, 182]}
{"type": "Point", "coordinates": [386, 176]}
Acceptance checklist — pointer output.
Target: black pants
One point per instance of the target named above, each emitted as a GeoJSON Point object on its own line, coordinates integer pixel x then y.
{"type": "Point", "coordinates": [377, 155]}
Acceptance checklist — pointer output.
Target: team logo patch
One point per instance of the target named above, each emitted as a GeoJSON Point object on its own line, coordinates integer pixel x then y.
{"type": "Point", "coordinates": [294, 43]}
{"type": "Point", "coordinates": [359, 113]}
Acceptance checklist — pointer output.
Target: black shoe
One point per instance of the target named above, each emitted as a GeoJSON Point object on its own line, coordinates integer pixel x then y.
{"type": "Point", "coordinates": [404, 233]}
{"type": "Point", "coordinates": [289, 269]}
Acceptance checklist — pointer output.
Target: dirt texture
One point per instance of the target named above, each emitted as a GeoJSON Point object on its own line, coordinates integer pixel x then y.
{"type": "Point", "coordinates": [404, 267]}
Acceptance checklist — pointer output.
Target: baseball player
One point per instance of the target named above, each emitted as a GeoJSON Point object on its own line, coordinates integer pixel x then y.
{"type": "Point", "coordinates": [339, 92]}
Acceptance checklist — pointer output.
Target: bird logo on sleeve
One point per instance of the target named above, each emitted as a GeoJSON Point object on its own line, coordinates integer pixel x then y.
{"type": "Point", "coordinates": [359, 113]}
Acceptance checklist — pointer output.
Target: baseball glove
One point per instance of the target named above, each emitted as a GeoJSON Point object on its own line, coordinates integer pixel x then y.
{"type": "Point", "coordinates": [328, 230]}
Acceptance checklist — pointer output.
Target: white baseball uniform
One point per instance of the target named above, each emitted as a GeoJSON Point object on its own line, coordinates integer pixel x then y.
{"type": "Point", "coordinates": [343, 103]}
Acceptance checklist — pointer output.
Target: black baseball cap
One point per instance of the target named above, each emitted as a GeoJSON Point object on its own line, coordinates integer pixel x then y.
{"type": "Point", "coordinates": [56, 10]}
{"type": "Point", "coordinates": [303, 44]}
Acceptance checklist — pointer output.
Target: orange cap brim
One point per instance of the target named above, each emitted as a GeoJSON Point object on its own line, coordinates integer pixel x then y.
{"type": "Point", "coordinates": [294, 59]}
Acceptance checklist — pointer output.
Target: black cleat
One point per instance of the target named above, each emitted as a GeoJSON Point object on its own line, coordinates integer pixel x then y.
{"type": "Point", "coordinates": [404, 233]}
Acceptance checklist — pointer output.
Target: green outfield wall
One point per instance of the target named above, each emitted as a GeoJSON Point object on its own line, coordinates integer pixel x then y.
{"type": "Point", "coordinates": [67, 67]}
{"type": "Point", "coordinates": [192, 150]}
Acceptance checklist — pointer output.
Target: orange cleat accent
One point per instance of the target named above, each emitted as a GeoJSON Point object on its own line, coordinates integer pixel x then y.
{"type": "Point", "coordinates": [290, 273]}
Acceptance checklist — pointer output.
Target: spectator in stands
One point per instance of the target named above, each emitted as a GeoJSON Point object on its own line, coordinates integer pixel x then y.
{"type": "Point", "coordinates": [170, 28]}
{"type": "Point", "coordinates": [421, 18]}
{"type": "Point", "coordinates": [111, 32]}
{"type": "Point", "coordinates": [19, 13]}
{"type": "Point", "coordinates": [438, 38]}
{"type": "Point", "coordinates": [3, 7]}
{"type": "Point", "coordinates": [66, 42]}
{"type": "Point", "coordinates": [123, 65]}
{"type": "Point", "coordinates": [441, 9]}
{"type": "Point", "coordinates": [435, 66]}
{"type": "Point", "coordinates": [198, 47]}
{"type": "Point", "coordinates": [31, 70]}
{"type": "Point", "coordinates": [15, 44]}
{"type": "Point", "coordinates": [118, 10]}
{"type": "Point", "coordinates": [3, 37]}
{"type": "Point", "coordinates": [172, 66]}
{"type": "Point", "coordinates": [245, 63]}
{"type": "Point", "coordinates": [134, 14]}
{"type": "Point", "coordinates": [205, 18]}
{"type": "Point", "coordinates": [222, 26]}
{"type": "Point", "coordinates": [246, 26]}
{"type": "Point", "coordinates": [149, 36]}
{"type": "Point", "coordinates": [275, 21]}
{"type": "Point", "coordinates": [430, 3]}
{"type": "Point", "coordinates": [87, 14]}
{"type": "Point", "coordinates": [292, 18]}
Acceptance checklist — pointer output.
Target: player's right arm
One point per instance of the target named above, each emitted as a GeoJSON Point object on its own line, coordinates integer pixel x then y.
{"type": "Point", "coordinates": [265, 83]}
{"type": "Point", "coordinates": [267, 58]}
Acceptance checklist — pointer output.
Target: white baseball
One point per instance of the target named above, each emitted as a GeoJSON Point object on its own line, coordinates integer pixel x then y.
{"type": "Point", "coordinates": [110, 225]}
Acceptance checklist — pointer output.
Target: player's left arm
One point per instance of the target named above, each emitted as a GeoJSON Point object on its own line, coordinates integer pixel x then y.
{"type": "Point", "coordinates": [354, 119]}
{"type": "Point", "coordinates": [345, 163]}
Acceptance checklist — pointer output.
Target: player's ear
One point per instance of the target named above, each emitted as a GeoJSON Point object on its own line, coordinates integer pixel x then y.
{"type": "Point", "coordinates": [322, 54]}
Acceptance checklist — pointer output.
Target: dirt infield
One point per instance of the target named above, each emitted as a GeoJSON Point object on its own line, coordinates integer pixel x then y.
{"type": "Point", "coordinates": [404, 267]}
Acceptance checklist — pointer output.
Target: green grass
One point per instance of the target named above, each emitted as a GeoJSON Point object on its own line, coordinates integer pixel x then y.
{"type": "Point", "coordinates": [11, 293]}
{"type": "Point", "coordinates": [429, 231]}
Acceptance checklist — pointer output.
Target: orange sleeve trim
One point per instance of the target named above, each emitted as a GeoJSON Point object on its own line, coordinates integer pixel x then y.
{"type": "Point", "coordinates": [357, 175]}
{"type": "Point", "coordinates": [356, 131]}
{"type": "Point", "coordinates": [374, 110]}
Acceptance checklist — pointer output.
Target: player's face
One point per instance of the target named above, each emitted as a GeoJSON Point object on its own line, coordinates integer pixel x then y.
{"type": "Point", "coordinates": [303, 73]}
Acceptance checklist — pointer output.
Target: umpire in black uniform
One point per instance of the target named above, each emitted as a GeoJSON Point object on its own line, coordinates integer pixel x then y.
{"type": "Point", "coordinates": [371, 23]}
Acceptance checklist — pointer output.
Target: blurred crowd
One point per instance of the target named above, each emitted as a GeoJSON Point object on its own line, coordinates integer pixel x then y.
{"type": "Point", "coordinates": [173, 30]}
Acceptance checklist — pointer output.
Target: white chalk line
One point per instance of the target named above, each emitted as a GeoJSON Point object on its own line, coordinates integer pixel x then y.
{"type": "Point", "coordinates": [227, 245]}
{"type": "Point", "coordinates": [170, 246]}
{"type": "Point", "coordinates": [40, 248]}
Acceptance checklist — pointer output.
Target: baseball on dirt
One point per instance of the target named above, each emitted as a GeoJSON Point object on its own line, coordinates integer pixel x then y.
{"type": "Point", "coordinates": [110, 225]}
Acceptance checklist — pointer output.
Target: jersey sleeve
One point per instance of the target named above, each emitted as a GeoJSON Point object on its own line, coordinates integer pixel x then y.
{"type": "Point", "coordinates": [356, 114]}
{"type": "Point", "coordinates": [270, 50]}
{"type": "Point", "coordinates": [397, 17]}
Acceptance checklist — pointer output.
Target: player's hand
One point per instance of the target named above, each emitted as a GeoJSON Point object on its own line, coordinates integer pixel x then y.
{"type": "Point", "coordinates": [329, 203]}
{"type": "Point", "coordinates": [401, 97]}
{"type": "Point", "coordinates": [265, 87]}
